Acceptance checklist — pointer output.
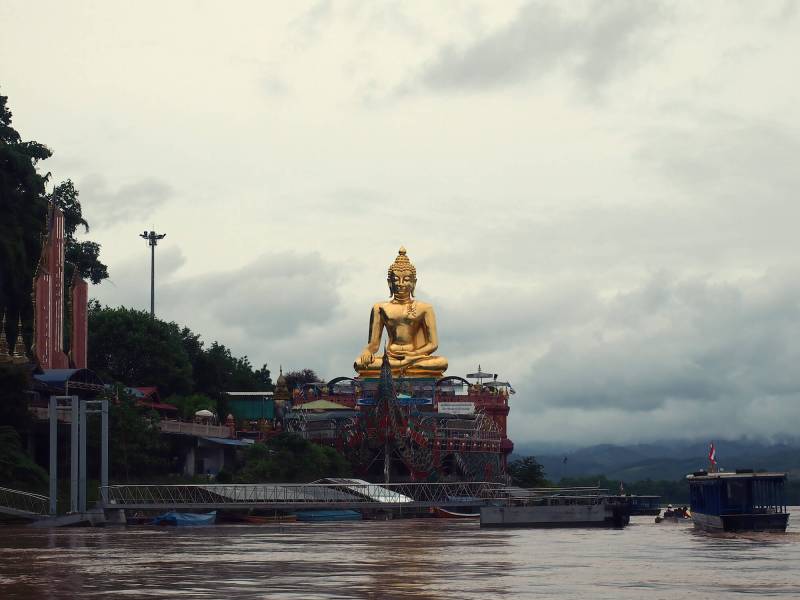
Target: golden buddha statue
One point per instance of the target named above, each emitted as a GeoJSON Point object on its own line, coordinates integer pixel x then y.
{"type": "Point", "coordinates": [410, 328]}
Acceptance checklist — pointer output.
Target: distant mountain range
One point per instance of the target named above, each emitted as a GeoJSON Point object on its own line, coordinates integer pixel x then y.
{"type": "Point", "coordinates": [665, 460]}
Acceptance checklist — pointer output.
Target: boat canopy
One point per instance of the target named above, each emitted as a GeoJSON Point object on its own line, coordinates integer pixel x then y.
{"type": "Point", "coordinates": [737, 493]}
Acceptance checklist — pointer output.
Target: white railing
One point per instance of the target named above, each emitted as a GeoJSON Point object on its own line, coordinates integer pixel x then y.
{"type": "Point", "coordinates": [197, 429]}
{"type": "Point", "coordinates": [17, 501]}
{"type": "Point", "coordinates": [298, 495]}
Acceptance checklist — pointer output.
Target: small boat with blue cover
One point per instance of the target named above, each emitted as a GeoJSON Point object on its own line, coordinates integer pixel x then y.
{"type": "Point", "coordinates": [738, 501]}
{"type": "Point", "coordinates": [185, 519]}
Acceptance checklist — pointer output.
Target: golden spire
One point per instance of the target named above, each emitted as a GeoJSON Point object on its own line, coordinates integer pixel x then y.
{"type": "Point", "coordinates": [281, 394]}
{"type": "Point", "coordinates": [20, 355]}
{"type": "Point", "coordinates": [4, 355]}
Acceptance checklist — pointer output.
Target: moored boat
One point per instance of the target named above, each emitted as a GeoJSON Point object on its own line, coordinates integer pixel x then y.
{"type": "Point", "coordinates": [185, 519]}
{"type": "Point", "coordinates": [738, 501]}
{"type": "Point", "coordinates": [644, 505]}
{"type": "Point", "coordinates": [443, 513]}
{"type": "Point", "coordinates": [264, 520]}
{"type": "Point", "coordinates": [558, 510]}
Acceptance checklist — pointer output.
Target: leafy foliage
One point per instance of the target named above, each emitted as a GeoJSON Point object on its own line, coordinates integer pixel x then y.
{"type": "Point", "coordinates": [138, 447]}
{"type": "Point", "coordinates": [126, 345]}
{"type": "Point", "coordinates": [16, 467]}
{"type": "Point", "coordinates": [14, 380]}
{"type": "Point", "coordinates": [23, 206]}
{"type": "Point", "coordinates": [264, 377]}
{"type": "Point", "coordinates": [299, 378]}
{"type": "Point", "coordinates": [290, 458]}
{"type": "Point", "coordinates": [526, 472]}
{"type": "Point", "coordinates": [217, 370]}
{"type": "Point", "coordinates": [188, 405]}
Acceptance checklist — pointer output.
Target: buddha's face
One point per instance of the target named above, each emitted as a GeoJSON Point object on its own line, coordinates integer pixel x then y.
{"type": "Point", "coordinates": [401, 284]}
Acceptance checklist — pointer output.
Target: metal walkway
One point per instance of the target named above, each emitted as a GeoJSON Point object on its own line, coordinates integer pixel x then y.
{"type": "Point", "coordinates": [26, 505]}
{"type": "Point", "coordinates": [339, 493]}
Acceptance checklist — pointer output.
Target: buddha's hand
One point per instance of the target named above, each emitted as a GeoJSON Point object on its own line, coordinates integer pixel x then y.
{"type": "Point", "coordinates": [366, 358]}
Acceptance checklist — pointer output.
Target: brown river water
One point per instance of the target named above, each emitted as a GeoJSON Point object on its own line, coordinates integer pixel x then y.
{"type": "Point", "coordinates": [421, 558]}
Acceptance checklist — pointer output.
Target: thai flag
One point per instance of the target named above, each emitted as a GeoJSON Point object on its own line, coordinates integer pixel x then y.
{"type": "Point", "coordinates": [712, 454]}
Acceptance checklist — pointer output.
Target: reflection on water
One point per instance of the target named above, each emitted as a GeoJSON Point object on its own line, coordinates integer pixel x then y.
{"type": "Point", "coordinates": [426, 558]}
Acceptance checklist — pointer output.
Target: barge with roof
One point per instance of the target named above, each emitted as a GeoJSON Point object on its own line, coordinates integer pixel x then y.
{"type": "Point", "coordinates": [738, 501]}
{"type": "Point", "coordinates": [557, 507]}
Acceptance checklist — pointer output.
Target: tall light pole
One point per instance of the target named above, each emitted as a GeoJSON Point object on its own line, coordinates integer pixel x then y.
{"type": "Point", "coordinates": [152, 240]}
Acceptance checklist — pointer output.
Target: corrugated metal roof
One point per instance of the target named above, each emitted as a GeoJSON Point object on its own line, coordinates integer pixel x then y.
{"type": "Point", "coordinates": [227, 442]}
{"type": "Point", "coordinates": [322, 405]}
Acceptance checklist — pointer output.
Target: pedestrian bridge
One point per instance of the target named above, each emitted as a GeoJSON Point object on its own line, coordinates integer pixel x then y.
{"type": "Point", "coordinates": [328, 493]}
{"type": "Point", "coordinates": [26, 505]}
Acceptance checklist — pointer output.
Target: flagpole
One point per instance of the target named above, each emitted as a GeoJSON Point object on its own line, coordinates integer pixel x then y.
{"type": "Point", "coordinates": [712, 458]}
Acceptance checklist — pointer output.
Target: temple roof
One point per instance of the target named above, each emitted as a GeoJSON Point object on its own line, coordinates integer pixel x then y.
{"type": "Point", "coordinates": [322, 405]}
{"type": "Point", "coordinates": [76, 378]}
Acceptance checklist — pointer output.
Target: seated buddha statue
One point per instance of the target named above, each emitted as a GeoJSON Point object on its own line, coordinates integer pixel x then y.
{"type": "Point", "coordinates": [410, 329]}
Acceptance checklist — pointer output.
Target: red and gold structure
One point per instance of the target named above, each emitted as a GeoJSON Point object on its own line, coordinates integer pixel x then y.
{"type": "Point", "coordinates": [49, 304]}
{"type": "Point", "coordinates": [401, 417]}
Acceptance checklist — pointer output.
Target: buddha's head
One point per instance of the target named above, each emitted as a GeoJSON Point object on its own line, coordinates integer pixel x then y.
{"type": "Point", "coordinates": [402, 277]}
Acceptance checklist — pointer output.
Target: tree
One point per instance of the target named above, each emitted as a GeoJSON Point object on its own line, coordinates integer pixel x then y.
{"type": "Point", "coordinates": [127, 346]}
{"type": "Point", "coordinates": [83, 256]}
{"type": "Point", "coordinates": [138, 449]}
{"type": "Point", "coordinates": [14, 380]}
{"type": "Point", "coordinates": [264, 378]}
{"type": "Point", "coordinates": [299, 378]}
{"type": "Point", "coordinates": [17, 469]}
{"type": "Point", "coordinates": [290, 458]}
{"type": "Point", "coordinates": [22, 206]}
{"type": "Point", "coordinates": [527, 472]}
{"type": "Point", "coordinates": [189, 405]}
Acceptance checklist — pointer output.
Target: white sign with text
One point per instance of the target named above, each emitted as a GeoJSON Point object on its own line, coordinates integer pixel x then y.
{"type": "Point", "coordinates": [457, 408]}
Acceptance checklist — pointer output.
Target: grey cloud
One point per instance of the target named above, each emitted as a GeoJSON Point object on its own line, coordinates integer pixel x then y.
{"type": "Point", "coordinates": [496, 316]}
{"type": "Point", "coordinates": [544, 38]}
{"type": "Point", "coordinates": [106, 206]}
{"type": "Point", "coordinates": [724, 154]}
{"type": "Point", "coordinates": [312, 20]}
{"type": "Point", "coordinates": [129, 284]}
{"type": "Point", "coordinates": [690, 340]}
{"type": "Point", "coordinates": [281, 307]}
{"type": "Point", "coordinates": [274, 86]}
{"type": "Point", "coordinates": [273, 296]}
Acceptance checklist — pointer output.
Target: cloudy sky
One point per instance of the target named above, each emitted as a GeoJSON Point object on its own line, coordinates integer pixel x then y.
{"type": "Point", "coordinates": [601, 198]}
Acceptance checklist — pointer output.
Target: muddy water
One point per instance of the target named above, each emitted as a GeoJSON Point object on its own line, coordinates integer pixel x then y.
{"type": "Point", "coordinates": [426, 558]}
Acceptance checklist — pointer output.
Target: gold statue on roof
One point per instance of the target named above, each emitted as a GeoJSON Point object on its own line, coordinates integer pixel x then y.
{"type": "Point", "coordinates": [410, 328]}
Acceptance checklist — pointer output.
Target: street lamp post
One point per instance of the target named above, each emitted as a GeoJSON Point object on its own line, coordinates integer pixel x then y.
{"type": "Point", "coordinates": [152, 240]}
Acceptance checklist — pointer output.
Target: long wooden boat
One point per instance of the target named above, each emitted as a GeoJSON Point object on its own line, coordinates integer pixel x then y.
{"type": "Point", "coordinates": [739, 501]}
{"type": "Point", "coordinates": [441, 513]}
{"type": "Point", "coordinates": [263, 520]}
